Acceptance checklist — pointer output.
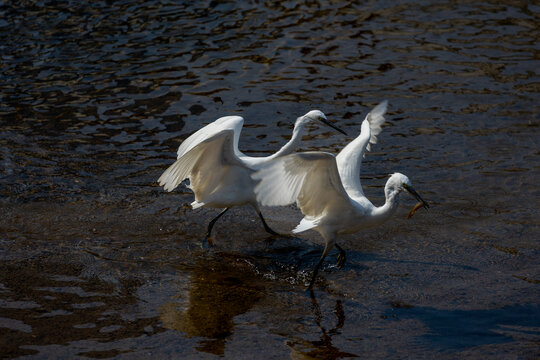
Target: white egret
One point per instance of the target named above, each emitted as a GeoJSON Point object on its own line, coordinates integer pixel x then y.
{"type": "Point", "coordinates": [327, 188]}
{"type": "Point", "coordinates": [219, 174]}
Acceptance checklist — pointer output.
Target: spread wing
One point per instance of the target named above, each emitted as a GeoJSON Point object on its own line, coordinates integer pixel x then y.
{"type": "Point", "coordinates": [224, 123]}
{"type": "Point", "coordinates": [311, 179]}
{"type": "Point", "coordinates": [203, 164]}
{"type": "Point", "coordinates": [349, 160]}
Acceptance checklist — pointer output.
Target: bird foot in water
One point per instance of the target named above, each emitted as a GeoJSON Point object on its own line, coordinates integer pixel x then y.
{"type": "Point", "coordinates": [341, 259]}
{"type": "Point", "coordinates": [207, 243]}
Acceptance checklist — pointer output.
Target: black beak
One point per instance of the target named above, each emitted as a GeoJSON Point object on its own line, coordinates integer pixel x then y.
{"type": "Point", "coordinates": [416, 195]}
{"type": "Point", "coordinates": [328, 123]}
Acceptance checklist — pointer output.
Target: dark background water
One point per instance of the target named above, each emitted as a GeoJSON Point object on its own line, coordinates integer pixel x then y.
{"type": "Point", "coordinates": [97, 261]}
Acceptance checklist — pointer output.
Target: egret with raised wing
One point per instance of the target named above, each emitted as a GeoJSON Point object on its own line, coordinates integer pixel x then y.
{"type": "Point", "coordinates": [328, 191]}
{"type": "Point", "coordinates": [219, 174]}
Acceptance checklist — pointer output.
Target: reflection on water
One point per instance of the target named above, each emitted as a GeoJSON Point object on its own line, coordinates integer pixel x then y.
{"type": "Point", "coordinates": [96, 260]}
{"type": "Point", "coordinates": [217, 293]}
{"type": "Point", "coordinates": [322, 348]}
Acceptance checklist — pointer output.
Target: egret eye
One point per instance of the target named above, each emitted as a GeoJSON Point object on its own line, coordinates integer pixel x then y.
{"type": "Point", "coordinates": [328, 191]}
{"type": "Point", "coordinates": [204, 155]}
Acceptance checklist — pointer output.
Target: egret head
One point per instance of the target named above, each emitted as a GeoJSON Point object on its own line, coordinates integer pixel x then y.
{"type": "Point", "coordinates": [398, 183]}
{"type": "Point", "coordinates": [316, 116]}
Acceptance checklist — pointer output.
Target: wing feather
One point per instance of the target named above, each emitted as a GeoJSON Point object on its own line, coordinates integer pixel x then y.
{"type": "Point", "coordinates": [376, 119]}
{"type": "Point", "coordinates": [278, 185]}
{"type": "Point", "coordinates": [322, 190]}
{"type": "Point", "coordinates": [203, 164]}
{"type": "Point", "coordinates": [178, 171]}
{"type": "Point", "coordinates": [223, 123]}
{"type": "Point", "coordinates": [349, 160]}
{"type": "Point", "coordinates": [311, 179]}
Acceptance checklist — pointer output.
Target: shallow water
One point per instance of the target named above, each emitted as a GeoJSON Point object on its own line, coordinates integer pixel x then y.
{"type": "Point", "coordinates": [97, 261]}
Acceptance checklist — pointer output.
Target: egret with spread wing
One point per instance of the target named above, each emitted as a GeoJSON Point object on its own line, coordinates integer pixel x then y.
{"type": "Point", "coordinates": [219, 174]}
{"type": "Point", "coordinates": [328, 191]}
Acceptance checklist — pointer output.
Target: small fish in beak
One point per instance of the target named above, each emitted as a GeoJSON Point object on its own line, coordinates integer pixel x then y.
{"type": "Point", "coordinates": [421, 202]}
{"type": "Point", "coordinates": [416, 207]}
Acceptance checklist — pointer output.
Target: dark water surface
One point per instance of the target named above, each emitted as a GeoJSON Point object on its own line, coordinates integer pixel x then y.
{"type": "Point", "coordinates": [97, 261]}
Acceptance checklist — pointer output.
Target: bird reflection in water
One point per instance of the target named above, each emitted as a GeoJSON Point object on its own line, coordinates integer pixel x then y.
{"type": "Point", "coordinates": [322, 348]}
{"type": "Point", "coordinates": [218, 292]}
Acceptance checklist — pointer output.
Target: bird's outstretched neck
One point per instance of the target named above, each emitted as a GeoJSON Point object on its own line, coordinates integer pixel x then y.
{"type": "Point", "coordinates": [291, 145]}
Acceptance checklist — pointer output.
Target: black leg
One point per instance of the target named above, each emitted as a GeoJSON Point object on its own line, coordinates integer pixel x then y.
{"type": "Point", "coordinates": [341, 258]}
{"type": "Point", "coordinates": [266, 227]}
{"type": "Point", "coordinates": [211, 224]}
{"type": "Point", "coordinates": [315, 272]}
{"type": "Point", "coordinates": [329, 245]}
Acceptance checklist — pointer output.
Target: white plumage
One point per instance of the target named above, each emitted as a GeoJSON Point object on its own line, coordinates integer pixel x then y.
{"type": "Point", "coordinates": [327, 188]}
{"type": "Point", "coordinates": [219, 173]}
